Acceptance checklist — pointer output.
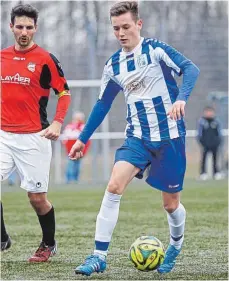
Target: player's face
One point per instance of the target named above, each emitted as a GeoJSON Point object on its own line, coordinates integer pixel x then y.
{"type": "Point", "coordinates": [127, 30]}
{"type": "Point", "coordinates": [208, 113]}
{"type": "Point", "coordinates": [23, 30]}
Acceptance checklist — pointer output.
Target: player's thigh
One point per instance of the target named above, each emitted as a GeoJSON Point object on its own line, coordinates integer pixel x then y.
{"type": "Point", "coordinates": [122, 174]}
{"type": "Point", "coordinates": [33, 163]}
{"type": "Point", "coordinates": [168, 167]}
{"type": "Point", "coordinates": [7, 165]}
{"type": "Point", "coordinates": [134, 152]}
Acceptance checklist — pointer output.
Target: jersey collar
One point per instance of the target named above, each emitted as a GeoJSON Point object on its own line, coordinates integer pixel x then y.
{"type": "Point", "coordinates": [25, 51]}
{"type": "Point", "coordinates": [131, 52]}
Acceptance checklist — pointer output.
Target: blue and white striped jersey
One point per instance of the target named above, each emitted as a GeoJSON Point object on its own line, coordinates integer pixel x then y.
{"type": "Point", "coordinates": [146, 77]}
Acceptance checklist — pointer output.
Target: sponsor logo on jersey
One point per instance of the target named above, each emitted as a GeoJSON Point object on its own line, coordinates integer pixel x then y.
{"type": "Point", "coordinates": [31, 66]}
{"type": "Point", "coordinates": [16, 79]}
{"type": "Point", "coordinates": [136, 86]}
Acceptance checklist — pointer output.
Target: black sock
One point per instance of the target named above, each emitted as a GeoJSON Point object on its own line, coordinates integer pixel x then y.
{"type": "Point", "coordinates": [4, 235]}
{"type": "Point", "coordinates": [47, 223]}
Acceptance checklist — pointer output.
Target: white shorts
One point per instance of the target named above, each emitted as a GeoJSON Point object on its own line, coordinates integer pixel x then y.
{"type": "Point", "coordinates": [31, 155]}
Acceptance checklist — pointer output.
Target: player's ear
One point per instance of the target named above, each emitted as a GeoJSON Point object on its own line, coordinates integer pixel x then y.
{"type": "Point", "coordinates": [139, 24]}
{"type": "Point", "coordinates": [11, 26]}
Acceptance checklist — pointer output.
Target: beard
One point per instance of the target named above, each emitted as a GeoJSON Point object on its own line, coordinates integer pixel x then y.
{"type": "Point", "coordinates": [24, 41]}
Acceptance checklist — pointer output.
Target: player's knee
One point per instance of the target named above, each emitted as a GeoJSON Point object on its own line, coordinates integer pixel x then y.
{"type": "Point", "coordinates": [170, 207]}
{"type": "Point", "coordinates": [37, 200]}
{"type": "Point", "coordinates": [115, 188]}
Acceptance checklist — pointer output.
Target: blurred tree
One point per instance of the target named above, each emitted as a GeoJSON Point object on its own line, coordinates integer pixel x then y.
{"type": "Point", "coordinates": [198, 29]}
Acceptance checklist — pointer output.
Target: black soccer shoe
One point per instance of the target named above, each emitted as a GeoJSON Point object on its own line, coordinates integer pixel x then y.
{"type": "Point", "coordinates": [6, 245]}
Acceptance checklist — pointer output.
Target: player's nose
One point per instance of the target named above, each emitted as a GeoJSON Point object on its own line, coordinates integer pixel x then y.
{"type": "Point", "coordinates": [24, 31]}
{"type": "Point", "coordinates": [121, 32]}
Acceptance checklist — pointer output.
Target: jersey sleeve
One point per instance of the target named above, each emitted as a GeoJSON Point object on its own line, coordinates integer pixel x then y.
{"type": "Point", "coordinates": [179, 64]}
{"type": "Point", "coordinates": [109, 88]}
{"type": "Point", "coordinates": [57, 79]}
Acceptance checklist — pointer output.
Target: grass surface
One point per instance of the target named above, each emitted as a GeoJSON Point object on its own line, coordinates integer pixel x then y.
{"type": "Point", "coordinates": [204, 255]}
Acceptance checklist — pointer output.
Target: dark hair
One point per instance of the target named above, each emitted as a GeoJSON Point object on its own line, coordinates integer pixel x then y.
{"type": "Point", "coordinates": [24, 10]}
{"type": "Point", "coordinates": [124, 7]}
{"type": "Point", "coordinates": [210, 108]}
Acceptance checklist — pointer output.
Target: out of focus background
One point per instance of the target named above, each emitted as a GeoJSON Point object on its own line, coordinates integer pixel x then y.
{"type": "Point", "coordinates": [79, 34]}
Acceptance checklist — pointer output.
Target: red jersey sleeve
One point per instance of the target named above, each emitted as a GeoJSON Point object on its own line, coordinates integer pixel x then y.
{"type": "Point", "coordinates": [57, 81]}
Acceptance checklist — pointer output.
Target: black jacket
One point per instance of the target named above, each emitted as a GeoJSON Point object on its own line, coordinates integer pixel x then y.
{"type": "Point", "coordinates": [209, 134]}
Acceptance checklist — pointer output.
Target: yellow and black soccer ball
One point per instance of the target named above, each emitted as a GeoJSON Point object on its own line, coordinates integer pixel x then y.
{"type": "Point", "coordinates": [147, 253]}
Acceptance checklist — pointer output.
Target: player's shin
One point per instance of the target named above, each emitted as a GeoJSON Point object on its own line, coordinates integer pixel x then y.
{"type": "Point", "coordinates": [176, 222]}
{"type": "Point", "coordinates": [47, 223]}
{"type": "Point", "coordinates": [106, 222]}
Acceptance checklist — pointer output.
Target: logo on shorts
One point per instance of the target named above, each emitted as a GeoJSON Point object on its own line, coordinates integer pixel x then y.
{"type": "Point", "coordinates": [31, 66]}
{"type": "Point", "coordinates": [173, 186]}
{"type": "Point", "coordinates": [38, 184]}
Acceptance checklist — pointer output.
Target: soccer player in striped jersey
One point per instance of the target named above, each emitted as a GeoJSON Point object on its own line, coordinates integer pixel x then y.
{"type": "Point", "coordinates": [28, 72]}
{"type": "Point", "coordinates": [143, 69]}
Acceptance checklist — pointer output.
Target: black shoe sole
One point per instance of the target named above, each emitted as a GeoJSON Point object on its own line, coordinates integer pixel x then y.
{"type": "Point", "coordinates": [81, 273]}
{"type": "Point", "coordinates": [84, 274]}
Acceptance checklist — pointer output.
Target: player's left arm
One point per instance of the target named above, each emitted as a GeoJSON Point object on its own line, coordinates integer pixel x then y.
{"type": "Point", "coordinates": [180, 65]}
{"type": "Point", "coordinates": [219, 131]}
{"type": "Point", "coordinates": [61, 89]}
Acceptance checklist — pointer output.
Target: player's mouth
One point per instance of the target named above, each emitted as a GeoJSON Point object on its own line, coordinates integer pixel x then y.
{"type": "Point", "coordinates": [123, 41]}
{"type": "Point", "coordinates": [24, 40]}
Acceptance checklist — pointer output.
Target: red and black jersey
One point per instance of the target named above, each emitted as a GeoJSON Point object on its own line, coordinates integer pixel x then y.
{"type": "Point", "coordinates": [26, 79]}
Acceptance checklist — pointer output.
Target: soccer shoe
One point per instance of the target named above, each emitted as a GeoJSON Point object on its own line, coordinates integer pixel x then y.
{"type": "Point", "coordinates": [218, 176]}
{"type": "Point", "coordinates": [203, 177]}
{"type": "Point", "coordinates": [6, 245]}
{"type": "Point", "coordinates": [43, 253]}
{"type": "Point", "coordinates": [170, 260]}
{"type": "Point", "coordinates": [92, 264]}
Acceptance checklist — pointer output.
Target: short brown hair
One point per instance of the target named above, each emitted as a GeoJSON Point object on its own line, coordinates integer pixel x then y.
{"type": "Point", "coordinates": [123, 7]}
{"type": "Point", "coordinates": [24, 10]}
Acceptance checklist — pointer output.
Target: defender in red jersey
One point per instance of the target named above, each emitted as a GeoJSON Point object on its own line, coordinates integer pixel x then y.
{"type": "Point", "coordinates": [28, 72]}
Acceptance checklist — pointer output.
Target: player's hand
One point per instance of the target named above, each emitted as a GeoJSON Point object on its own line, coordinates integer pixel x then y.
{"type": "Point", "coordinates": [52, 132]}
{"type": "Point", "coordinates": [76, 150]}
{"type": "Point", "coordinates": [177, 110]}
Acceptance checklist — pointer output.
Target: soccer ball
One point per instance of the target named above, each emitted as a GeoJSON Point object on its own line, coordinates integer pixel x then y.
{"type": "Point", "coordinates": [147, 253]}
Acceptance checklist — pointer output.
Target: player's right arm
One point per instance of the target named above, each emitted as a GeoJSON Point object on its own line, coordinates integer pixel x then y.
{"type": "Point", "coordinates": [109, 90]}
{"type": "Point", "coordinates": [181, 66]}
{"type": "Point", "coordinates": [53, 77]}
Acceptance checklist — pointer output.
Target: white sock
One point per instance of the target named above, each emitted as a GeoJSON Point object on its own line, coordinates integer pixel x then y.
{"type": "Point", "coordinates": [176, 222]}
{"type": "Point", "coordinates": [106, 222]}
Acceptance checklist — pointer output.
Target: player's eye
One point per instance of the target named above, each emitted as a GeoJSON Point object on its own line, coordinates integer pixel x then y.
{"type": "Point", "coordinates": [29, 27]}
{"type": "Point", "coordinates": [19, 26]}
{"type": "Point", "coordinates": [125, 26]}
{"type": "Point", "coordinates": [116, 28]}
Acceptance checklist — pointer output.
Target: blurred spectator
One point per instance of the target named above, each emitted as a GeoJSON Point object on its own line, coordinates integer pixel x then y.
{"type": "Point", "coordinates": [69, 136]}
{"type": "Point", "coordinates": [210, 138]}
{"type": "Point", "coordinates": [12, 178]}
